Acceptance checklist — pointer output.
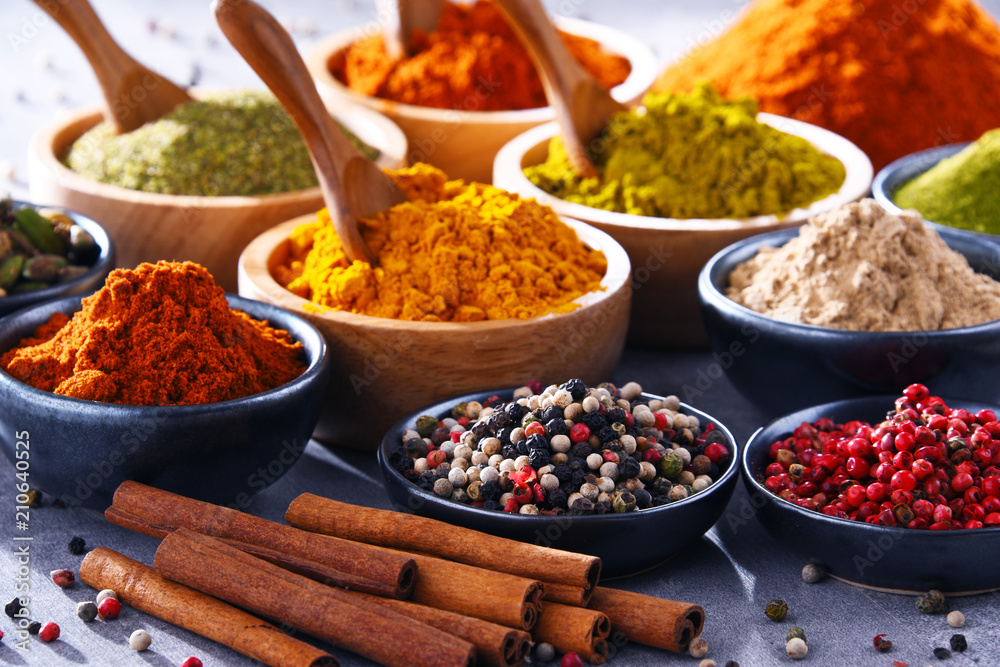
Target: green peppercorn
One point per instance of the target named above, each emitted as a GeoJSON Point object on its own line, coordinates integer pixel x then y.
{"type": "Point", "coordinates": [670, 465]}
{"type": "Point", "coordinates": [458, 411]}
{"type": "Point", "coordinates": [34, 498]}
{"type": "Point", "coordinates": [776, 610]}
{"type": "Point", "coordinates": [932, 602]}
{"type": "Point", "coordinates": [796, 632]}
{"type": "Point", "coordinates": [426, 425]}
{"type": "Point", "coordinates": [623, 501]}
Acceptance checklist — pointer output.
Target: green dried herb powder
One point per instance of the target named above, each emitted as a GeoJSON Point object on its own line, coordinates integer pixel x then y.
{"type": "Point", "coordinates": [960, 191]}
{"type": "Point", "coordinates": [694, 156]}
{"type": "Point", "coordinates": [236, 143]}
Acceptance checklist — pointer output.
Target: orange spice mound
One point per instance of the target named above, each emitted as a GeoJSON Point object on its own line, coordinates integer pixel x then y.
{"type": "Point", "coordinates": [473, 61]}
{"type": "Point", "coordinates": [893, 77]}
{"type": "Point", "coordinates": [161, 334]}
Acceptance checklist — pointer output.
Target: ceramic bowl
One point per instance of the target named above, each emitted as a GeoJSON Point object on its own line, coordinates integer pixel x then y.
{"type": "Point", "coordinates": [385, 368]}
{"type": "Point", "coordinates": [461, 142]}
{"type": "Point", "coordinates": [84, 284]}
{"type": "Point", "coordinates": [782, 366]}
{"type": "Point", "coordinates": [668, 253]}
{"type": "Point", "coordinates": [211, 231]}
{"type": "Point", "coordinates": [649, 536]}
{"type": "Point", "coordinates": [899, 172]}
{"type": "Point", "coordinates": [893, 559]}
{"type": "Point", "coordinates": [223, 453]}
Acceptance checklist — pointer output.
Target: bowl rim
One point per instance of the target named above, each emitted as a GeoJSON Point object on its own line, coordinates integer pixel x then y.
{"type": "Point", "coordinates": [616, 277]}
{"type": "Point", "coordinates": [314, 347]}
{"type": "Point", "coordinates": [103, 264]}
{"type": "Point", "coordinates": [884, 198]}
{"type": "Point", "coordinates": [718, 486]}
{"type": "Point", "coordinates": [507, 172]}
{"type": "Point", "coordinates": [643, 62]}
{"type": "Point", "coordinates": [711, 295]}
{"type": "Point", "coordinates": [42, 144]}
{"type": "Point", "coordinates": [754, 441]}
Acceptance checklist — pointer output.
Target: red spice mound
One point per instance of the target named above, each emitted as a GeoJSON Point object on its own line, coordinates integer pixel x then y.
{"type": "Point", "coordinates": [893, 77]}
{"type": "Point", "coordinates": [473, 61]}
{"type": "Point", "coordinates": [161, 334]}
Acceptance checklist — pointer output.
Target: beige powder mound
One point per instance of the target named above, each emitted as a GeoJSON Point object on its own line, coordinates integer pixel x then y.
{"type": "Point", "coordinates": [861, 268]}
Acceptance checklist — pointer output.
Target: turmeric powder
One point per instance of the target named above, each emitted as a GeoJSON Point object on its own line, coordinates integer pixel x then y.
{"type": "Point", "coordinates": [456, 252]}
{"type": "Point", "coordinates": [473, 61]}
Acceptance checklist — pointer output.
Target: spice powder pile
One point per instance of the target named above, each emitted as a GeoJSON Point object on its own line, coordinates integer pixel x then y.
{"type": "Point", "coordinates": [861, 268]}
{"type": "Point", "coordinates": [473, 61]}
{"type": "Point", "coordinates": [161, 334]}
{"type": "Point", "coordinates": [456, 251]}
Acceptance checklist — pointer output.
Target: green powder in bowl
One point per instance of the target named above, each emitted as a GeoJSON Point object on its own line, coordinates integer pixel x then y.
{"type": "Point", "coordinates": [962, 190]}
{"type": "Point", "coordinates": [227, 144]}
{"type": "Point", "coordinates": [693, 156]}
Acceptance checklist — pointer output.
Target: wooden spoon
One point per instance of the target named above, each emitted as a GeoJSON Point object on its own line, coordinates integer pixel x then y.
{"type": "Point", "coordinates": [133, 93]}
{"type": "Point", "coordinates": [582, 105]}
{"type": "Point", "coordinates": [353, 186]}
{"type": "Point", "coordinates": [401, 18]}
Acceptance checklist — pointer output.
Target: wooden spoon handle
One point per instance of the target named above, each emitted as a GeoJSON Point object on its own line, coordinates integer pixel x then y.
{"type": "Point", "coordinates": [582, 105]}
{"type": "Point", "coordinates": [269, 50]}
{"type": "Point", "coordinates": [400, 18]}
{"type": "Point", "coordinates": [134, 94]}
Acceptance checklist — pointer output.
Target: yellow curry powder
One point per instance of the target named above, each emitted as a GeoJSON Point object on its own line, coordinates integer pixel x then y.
{"type": "Point", "coordinates": [456, 252]}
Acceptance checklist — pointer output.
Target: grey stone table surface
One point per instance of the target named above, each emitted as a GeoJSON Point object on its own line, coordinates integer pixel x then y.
{"type": "Point", "coordinates": [732, 571]}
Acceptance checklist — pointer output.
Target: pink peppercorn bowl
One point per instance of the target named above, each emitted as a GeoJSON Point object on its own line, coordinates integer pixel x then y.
{"type": "Point", "coordinates": [627, 543]}
{"type": "Point", "coordinates": [894, 559]}
{"type": "Point", "coordinates": [782, 366]}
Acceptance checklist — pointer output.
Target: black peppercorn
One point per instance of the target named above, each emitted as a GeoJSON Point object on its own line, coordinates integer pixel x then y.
{"type": "Point", "coordinates": [575, 463]}
{"type": "Point", "coordinates": [941, 653]}
{"type": "Point", "coordinates": [615, 415]}
{"type": "Point", "coordinates": [595, 421]}
{"type": "Point", "coordinates": [490, 491]}
{"type": "Point", "coordinates": [440, 435]}
{"type": "Point", "coordinates": [642, 498]}
{"type": "Point", "coordinates": [661, 486]}
{"type": "Point", "coordinates": [415, 448]}
{"type": "Point", "coordinates": [581, 505]}
{"type": "Point", "coordinates": [576, 388]}
{"type": "Point", "coordinates": [34, 627]}
{"type": "Point", "coordinates": [557, 497]}
{"type": "Point", "coordinates": [515, 412]}
{"type": "Point", "coordinates": [509, 451]}
{"type": "Point", "coordinates": [715, 437]}
{"type": "Point", "coordinates": [958, 643]}
{"type": "Point", "coordinates": [628, 468]}
{"type": "Point", "coordinates": [732, 663]}
{"type": "Point", "coordinates": [479, 429]}
{"type": "Point", "coordinates": [497, 420]}
{"type": "Point", "coordinates": [563, 473]}
{"type": "Point", "coordinates": [521, 448]}
{"type": "Point", "coordinates": [426, 480]}
{"type": "Point", "coordinates": [491, 505]}
{"type": "Point", "coordinates": [581, 450]}
{"type": "Point", "coordinates": [555, 427]}
{"type": "Point", "coordinates": [59, 502]}
{"type": "Point", "coordinates": [411, 475]}
{"type": "Point", "coordinates": [552, 412]}
{"type": "Point", "coordinates": [579, 477]}
{"type": "Point", "coordinates": [536, 441]}
{"type": "Point", "coordinates": [538, 458]}
{"type": "Point", "coordinates": [12, 607]}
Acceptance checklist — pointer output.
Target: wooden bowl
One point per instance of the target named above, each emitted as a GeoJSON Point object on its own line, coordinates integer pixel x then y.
{"type": "Point", "coordinates": [384, 369]}
{"type": "Point", "coordinates": [667, 253]}
{"type": "Point", "coordinates": [212, 231]}
{"type": "Point", "coordinates": [463, 143]}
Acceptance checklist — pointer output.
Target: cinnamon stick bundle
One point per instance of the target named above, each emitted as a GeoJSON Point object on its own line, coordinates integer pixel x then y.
{"type": "Point", "coordinates": [569, 629]}
{"type": "Point", "coordinates": [215, 568]}
{"type": "Point", "coordinates": [649, 620]}
{"type": "Point", "coordinates": [413, 533]}
{"type": "Point", "coordinates": [140, 586]}
{"type": "Point", "coordinates": [496, 597]}
{"type": "Point", "coordinates": [496, 645]}
{"type": "Point", "coordinates": [154, 512]}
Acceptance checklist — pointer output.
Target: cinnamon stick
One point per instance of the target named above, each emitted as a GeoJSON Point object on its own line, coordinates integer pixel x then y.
{"type": "Point", "coordinates": [575, 596]}
{"type": "Point", "coordinates": [574, 629]}
{"type": "Point", "coordinates": [649, 620]}
{"type": "Point", "coordinates": [215, 568]}
{"type": "Point", "coordinates": [496, 645]}
{"type": "Point", "coordinates": [140, 586]}
{"type": "Point", "coordinates": [154, 512]}
{"type": "Point", "coordinates": [413, 533]}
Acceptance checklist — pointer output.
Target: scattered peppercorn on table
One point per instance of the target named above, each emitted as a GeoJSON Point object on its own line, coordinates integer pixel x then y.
{"type": "Point", "coordinates": [735, 572]}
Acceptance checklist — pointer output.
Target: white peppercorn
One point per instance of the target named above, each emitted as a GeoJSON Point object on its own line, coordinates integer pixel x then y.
{"type": "Point", "coordinates": [443, 488]}
{"type": "Point", "coordinates": [448, 447]}
{"type": "Point", "coordinates": [549, 481]}
{"type": "Point", "coordinates": [140, 640]}
{"type": "Point", "coordinates": [472, 409]}
{"type": "Point", "coordinates": [595, 461]}
{"type": "Point", "coordinates": [463, 452]}
{"type": "Point", "coordinates": [630, 391]}
{"type": "Point", "coordinates": [698, 647]}
{"type": "Point", "coordinates": [590, 404]}
{"type": "Point", "coordinates": [559, 458]}
{"type": "Point", "coordinates": [628, 444]}
{"type": "Point", "coordinates": [473, 474]}
{"type": "Point", "coordinates": [505, 497]}
{"type": "Point", "coordinates": [520, 462]}
{"type": "Point", "coordinates": [489, 475]}
{"type": "Point", "coordinates": [457, 428]}
{"type": "Point", "coordinates": [507, 465]}
{"type": "Point", "coordinates": [655, 405]}
{"type": "Point", "coordinates": [420, 465]}
{"type": "Point", "coordinates": [796, 648]}
{"type": "Point", "coordinates": [956, 619]}
{"type": "Point", "coordinates": [522, 392]}
{"type": "Point", "coordinates": [647, 471]}
{"type": "Point", "coordinates": [479, 458]}
{"type": "Point", "coordinates": [448, 422]}
{"type": "Point", "coordinates": [544, 470]}
{"type": "Point", "coordinates": [517, 435]}
{"type": "Point", "coordinates": [487, 411]}
{"type": "Point", "coordinates": [545, 652]}
{"type": "Point", "coordinates": [589, 491]}
{"type": "Point", "coordinates": [677, 492]}
{"type": "Point", "coordinates": [551, 389]}
{"type": "Point", "coordinates": [684, 454]}
{"type": "Point", "coordinates": [104, 595]}
{"type": "Point", "coordinates": [606, 484]}
{"type": "Point", "coordinates": [672, 403]}
{"type": "Point", "coordinates": [496, 460]}
{"type": "Point", "coordinates": [693, 421]}
{"type": "Point", "coordinates": [607, 469]}
{"type": "Point", "coordinates": [458, 477]}
{"type": "Point", "coordinates": [532, 404]}
{"type": "Point", "coordinates": [680, 421]}
{"type": "Point", "coordinates": [811, 573]}
{"type": "Point", "coordinates": [410, 434]}
{"type": "Point", "coordinates": [528, 508]}
{"type": "Point", "coordinates": [686, 478]}
{"type": "Point", "coordinates": [544, 402]}
{"type": "Point", "coordinates": [562, 398]}
{"type": "Point", "coordinates": [701, 482]}
{"type": "Point", "coordinates": [561, 443]}
{"type": "Point", "coordinates": [490, 446]}
{"type": "Point", "coordinates": [573, 411]}
{"type": "Point", "coordinates": [707, 662]}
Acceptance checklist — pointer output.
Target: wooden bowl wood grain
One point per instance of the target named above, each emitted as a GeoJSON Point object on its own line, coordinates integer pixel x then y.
{"type": "Point", "coordinates": [385, 368]}
{"type": "Point", "coordinates": [211, 231]}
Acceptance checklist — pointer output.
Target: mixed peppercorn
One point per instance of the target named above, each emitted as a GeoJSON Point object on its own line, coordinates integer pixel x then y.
{"type": "Point", "coordinates": [565, 449]}
{"type": "Point", "coordinates": [926, 466]}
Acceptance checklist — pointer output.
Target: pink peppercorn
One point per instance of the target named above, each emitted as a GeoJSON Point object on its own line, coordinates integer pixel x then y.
{"type": "Point", "coordinates": [49, 632]}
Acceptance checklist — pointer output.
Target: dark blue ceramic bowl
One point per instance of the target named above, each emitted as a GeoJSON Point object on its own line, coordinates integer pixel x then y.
{"type": "Point", "coordinates": [895, 559]}
{"type": "Point", "coordinates": [84, 284]}
{"type": "Point", "coordinates": [782, 366]}
{"type": "Point", "coordinates": [80, 451]}
{"type": "Point", "coordinates": [899, 172]}
{"type": "Point", "coordinates": [626, 543]}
